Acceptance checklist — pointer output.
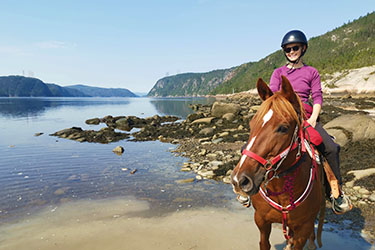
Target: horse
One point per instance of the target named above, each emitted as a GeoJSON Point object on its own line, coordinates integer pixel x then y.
{"type": "Point", "coordinates": [278, 171]}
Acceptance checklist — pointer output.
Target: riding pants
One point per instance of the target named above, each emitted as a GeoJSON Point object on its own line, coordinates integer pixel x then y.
{"type": "Point", "coordinates": [330, 150]}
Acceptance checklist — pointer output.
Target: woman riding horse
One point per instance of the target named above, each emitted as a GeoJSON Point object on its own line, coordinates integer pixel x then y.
{"type": "Point", "coordinates": [306, 81]}
{"type": "Point", "coordinates": [276, 172]}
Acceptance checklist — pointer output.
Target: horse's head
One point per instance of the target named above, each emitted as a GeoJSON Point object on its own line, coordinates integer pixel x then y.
{"type": "Point", "coordinates": [271, 132]}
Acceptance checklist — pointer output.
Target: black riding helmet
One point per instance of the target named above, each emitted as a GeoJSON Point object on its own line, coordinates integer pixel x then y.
{"type": "Point", "coordinates": [294, 36]}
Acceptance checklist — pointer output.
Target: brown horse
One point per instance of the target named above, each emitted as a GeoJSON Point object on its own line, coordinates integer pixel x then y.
{"type": "Point", "coordinates": [275, 172]}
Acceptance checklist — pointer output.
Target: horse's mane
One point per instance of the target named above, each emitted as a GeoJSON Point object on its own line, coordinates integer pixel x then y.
{"type": "Point", "coordinates": [280, 105]}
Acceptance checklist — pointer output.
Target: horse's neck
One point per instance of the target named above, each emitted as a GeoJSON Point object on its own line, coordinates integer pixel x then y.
{"type": "Point", "coordinates": [299, 183]}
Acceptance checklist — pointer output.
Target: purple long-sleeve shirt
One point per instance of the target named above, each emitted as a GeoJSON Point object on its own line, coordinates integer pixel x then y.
{"type": "Point", "coordinates": [304, 80]}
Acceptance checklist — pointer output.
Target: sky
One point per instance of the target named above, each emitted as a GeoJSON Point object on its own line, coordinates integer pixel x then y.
{"type": "Point", "coordinates": [132, 44]}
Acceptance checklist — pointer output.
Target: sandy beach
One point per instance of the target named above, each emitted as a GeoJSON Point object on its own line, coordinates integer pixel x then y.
{"type": "Point", "coordinates": [129, 224]}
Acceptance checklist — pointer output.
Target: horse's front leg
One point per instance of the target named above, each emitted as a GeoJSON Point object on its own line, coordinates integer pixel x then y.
{"type": "Point", "coordinates": [302, 233]}
{"type": "Point", "coordinates": [265, 231]}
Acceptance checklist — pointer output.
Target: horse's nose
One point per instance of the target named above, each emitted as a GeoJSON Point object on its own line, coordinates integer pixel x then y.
{"type": "Point", "coordinates": [245, 183]}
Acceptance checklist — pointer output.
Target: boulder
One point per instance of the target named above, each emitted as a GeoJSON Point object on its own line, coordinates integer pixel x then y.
{"type": "Point", "coordinates": [207, 120]}
{"type": "Point", "coordinates": [93, 121]}
{"type": "Point", "coordinates": [118, 150]}
{"type": "Point", "coordinates": [206, 131]}
{"type": "Point", "coordinates": [361, 126]}
{"type": "Point", "coordinates": [219, 109]}
{"type": "Point", "coordinates": [340, 137]}
{"type": "Point", "coordinates": [229, 117]}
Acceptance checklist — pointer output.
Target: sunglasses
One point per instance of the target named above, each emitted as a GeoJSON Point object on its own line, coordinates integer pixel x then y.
{"type": "Point", "coordinates": [294, 48]}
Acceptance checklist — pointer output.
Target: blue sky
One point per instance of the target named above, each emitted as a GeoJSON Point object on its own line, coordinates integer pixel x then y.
{"type": "Point", "coordinates": [132, 44]}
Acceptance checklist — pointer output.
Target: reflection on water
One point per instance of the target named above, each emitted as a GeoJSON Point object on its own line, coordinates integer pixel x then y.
{"type": "Point", "coordinates": [44, 171]}
{"type": "Point", "coordinates": [178, 106]}
{"type": "Point", "coordinates": [29, 107]}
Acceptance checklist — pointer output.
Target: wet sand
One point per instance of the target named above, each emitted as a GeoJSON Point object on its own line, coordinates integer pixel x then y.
{"type": "Point", "coordinates": [129, 224]}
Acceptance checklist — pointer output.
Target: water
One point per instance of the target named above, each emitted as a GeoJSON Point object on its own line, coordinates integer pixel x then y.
{"type": "Point", "coordinates": [40, 171]}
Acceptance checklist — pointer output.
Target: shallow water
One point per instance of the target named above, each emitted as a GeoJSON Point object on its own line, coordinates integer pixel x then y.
{"type": "Point", "coordinates": [36, 171]}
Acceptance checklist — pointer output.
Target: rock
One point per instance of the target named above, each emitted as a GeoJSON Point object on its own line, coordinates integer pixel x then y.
{"type": "Point", "coordinates": [227, 180]}
{"type": "Point", "coordinates": [206, 173]}
{"type": "Point", "coordinates": [229, 117]}
{"type": "Point", "coordinates": [207, 120]}
{"type": "Point", "coordinates": [133, 171]}
{"type": "Point", "coordinates": [215, 163]}
{"type": "Point", "coordinates": [38, 134]}
{"type": "Point", "coordinates": [185, 181]}
{"type": "Point", "coordinates": [61, 191]}
{"type": "Point", "coordinates": [372, 197]}
{"type": "Point", "coordinates": [254, 108]}
{"type": "Point", "coordinates": [218, 140]}
{"type": "Point", "coordinates": [118, 150]}
{"type": "Point", "coordinates": [211, 156]}
{"type": "Point", "coordinates": [340, 136]}
{"type": "Point", "coordinates": [219, 109]}
{"type": "Point", "coordinates": [194, 116]}
{"type": "Point", "coordinates": [224, 134]}
{"type": "Point", "coordinates": [358, 174]}
{"type": "Point", "coordinates": [93, 121]}
{"type": "Point", "coordinates": [361, 126]}
{"type": "Point", "coordinates": [206, 131]}
{"type": "Point", "coordinates": [363, 191]}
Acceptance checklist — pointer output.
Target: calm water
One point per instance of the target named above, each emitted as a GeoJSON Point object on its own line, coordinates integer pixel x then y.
{"type": "Point", "coordinates": [40, 171]}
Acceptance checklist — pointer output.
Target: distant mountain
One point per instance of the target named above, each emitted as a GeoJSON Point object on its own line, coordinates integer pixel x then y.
{"type": "Point", "coordinates": [11, 86]}
{"type": "Point", "coordinates": [102, 92]}
{"type": "Point", "coordinates": [190, 84]}
{"type": "Point", "coordinates": [59, 91]}
{"type": "Point", "coordinates": [20, 86]}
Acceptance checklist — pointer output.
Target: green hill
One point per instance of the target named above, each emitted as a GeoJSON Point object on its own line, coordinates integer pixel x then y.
{"type": "Point", "coordinates": [102, 92]}
{"type": "Point", "coordinates": [20, 86]}
{"type": "Point", "coordinates": [190, 84]}
{"type": "Point", "coordinates": [347, 47]}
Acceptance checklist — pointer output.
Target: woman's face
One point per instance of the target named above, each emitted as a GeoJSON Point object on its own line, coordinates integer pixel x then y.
{"type": "Point", "coordinates": [293, 51]}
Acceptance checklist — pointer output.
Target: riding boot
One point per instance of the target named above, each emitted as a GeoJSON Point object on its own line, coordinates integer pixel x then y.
{"type": "Point", "coordinates": [330, 150]}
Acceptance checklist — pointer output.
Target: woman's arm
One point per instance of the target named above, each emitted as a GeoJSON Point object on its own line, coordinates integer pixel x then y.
{"type": "Point", "coordinates": [315, 114]}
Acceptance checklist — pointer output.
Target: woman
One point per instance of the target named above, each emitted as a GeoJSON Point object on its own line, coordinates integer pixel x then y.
{"type": "Point", "coordinates": [306, 81]}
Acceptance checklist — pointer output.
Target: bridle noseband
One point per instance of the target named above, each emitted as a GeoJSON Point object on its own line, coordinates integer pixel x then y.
{"type": "Point", "coordinates": [269, 164]}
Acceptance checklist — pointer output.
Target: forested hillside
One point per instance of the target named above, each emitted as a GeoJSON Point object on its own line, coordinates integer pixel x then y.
{"type": "Point", "coordinates": [349, 46]}
{"type": "Point", "coordinates": [20, 86]}
{"type": "Point", "coordinates": [190, 84]}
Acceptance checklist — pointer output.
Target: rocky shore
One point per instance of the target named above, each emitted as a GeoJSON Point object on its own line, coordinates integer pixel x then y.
{"type": "Point", "coordinates": [213, 135]}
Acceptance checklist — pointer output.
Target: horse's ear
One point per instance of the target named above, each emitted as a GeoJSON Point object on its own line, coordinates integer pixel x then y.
{"type": "Point", "coordinates": [263, 90]}
{"type": "Point", "coordinates": [288, 92]}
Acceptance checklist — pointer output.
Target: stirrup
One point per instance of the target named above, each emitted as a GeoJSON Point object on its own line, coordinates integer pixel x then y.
{"type": "Point", "coordinates": [342, 204]}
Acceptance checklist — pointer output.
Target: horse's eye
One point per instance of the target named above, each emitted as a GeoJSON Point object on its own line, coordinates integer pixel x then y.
{"type": "Point", "coordinates": [282, 129]}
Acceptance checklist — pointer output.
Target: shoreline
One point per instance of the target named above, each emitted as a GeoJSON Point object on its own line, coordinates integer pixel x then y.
{"type": "Point", "coordinates": [122, 224]}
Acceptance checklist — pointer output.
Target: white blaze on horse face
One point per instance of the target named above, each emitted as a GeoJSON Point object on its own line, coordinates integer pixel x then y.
{"type": "Point", "coordinates": [248, 149]}
{"type": "Point", "coordinates": [244, 157]}
{"type": "Point", "coordinates": [267, 117]}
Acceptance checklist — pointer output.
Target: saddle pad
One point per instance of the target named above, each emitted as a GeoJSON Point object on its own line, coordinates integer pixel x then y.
{"type": "Point", "coordinates": [311, 134]}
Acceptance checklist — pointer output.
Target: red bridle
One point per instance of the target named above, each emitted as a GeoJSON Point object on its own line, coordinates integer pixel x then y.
{"type": "Point", "coordinates": [270, 163]}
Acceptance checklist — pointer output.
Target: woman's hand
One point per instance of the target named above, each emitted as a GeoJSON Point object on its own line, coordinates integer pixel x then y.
{"type": "Point", "coordinates": [312, 121]}
{"type": "Point", "coordinates": [315, 114]}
